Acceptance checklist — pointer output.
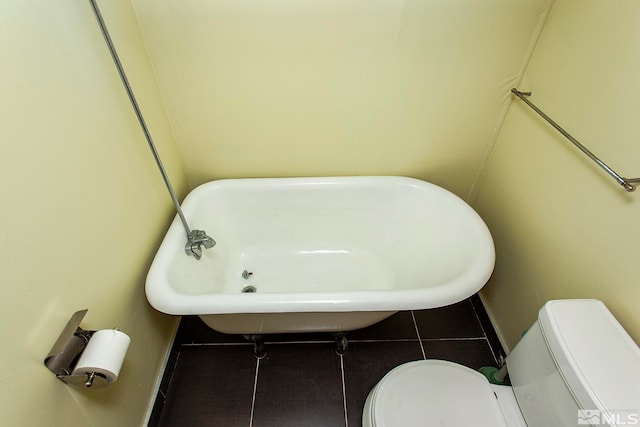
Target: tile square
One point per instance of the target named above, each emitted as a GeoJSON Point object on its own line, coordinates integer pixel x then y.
{"type": "Point", "coordinates": [365, 363]}
{"type": "Point", "coordinates": [454, 321]}
{"type": "Point", "coordinates": [397, 327]}
{"type": "Point", "coordinates": [299, 385]}
{"type": "Point", "coordinates": [210, 386]}
{"type": "Point", "coordinates": [474, 353]}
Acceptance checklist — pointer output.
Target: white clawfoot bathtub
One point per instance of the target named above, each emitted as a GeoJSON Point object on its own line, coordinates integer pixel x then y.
{"type": "Point", "coordinates": [323, 254]}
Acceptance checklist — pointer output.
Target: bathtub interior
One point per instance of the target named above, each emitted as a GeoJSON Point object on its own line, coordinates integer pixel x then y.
{"type": "Point", "coordinates": [309, 238]}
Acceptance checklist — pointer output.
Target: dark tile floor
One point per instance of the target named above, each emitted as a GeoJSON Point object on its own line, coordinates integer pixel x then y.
{"type": "Point", "coordinates": [213, 379]}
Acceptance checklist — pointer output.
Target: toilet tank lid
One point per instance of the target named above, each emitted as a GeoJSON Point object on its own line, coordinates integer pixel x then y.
{"type": "Point", "coordinates": [597, 358]}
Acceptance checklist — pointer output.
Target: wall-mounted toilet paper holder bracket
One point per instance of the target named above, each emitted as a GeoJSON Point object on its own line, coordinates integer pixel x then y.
{"type": "Point", "coordinates": [67, 350]}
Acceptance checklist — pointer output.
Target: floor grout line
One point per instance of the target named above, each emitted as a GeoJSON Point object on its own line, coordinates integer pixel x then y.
{"type": "Point", "coordinates": [255, 387]}
{"type": "Point", "coordinates": [472, 342]}
{"type": "Point", "coordinates": [415, 325]}
{"type": "Point", "coordinates": [217, 344]}
{"type": "Point", "coordinates": [385, 340]}
{"type": "Point", "coordinates": [299, 342]}
{"type": "Point", "coordinates": [344, 392]}
{"type": "Point", "coordinates": [373, 340]}
{"type": "Point", "coordinates": [475, 312]}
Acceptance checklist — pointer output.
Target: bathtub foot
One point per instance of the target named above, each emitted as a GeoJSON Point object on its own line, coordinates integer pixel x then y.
{"type": "Point", "coordinates": [341, 342]}
{"type": "Point", "coordinates": [259, 349]}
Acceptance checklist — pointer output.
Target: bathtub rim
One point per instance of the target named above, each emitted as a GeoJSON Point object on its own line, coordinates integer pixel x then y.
{"type": "Point", "coordinates": [164, 298]}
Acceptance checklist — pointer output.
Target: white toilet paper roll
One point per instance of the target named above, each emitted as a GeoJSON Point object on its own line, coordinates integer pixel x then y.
{"type": "Point", "coordinates": [104, 354]}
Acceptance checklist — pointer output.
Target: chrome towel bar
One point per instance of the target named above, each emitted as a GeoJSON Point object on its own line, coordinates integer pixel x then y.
{"type": "Point", "coordinates": [627, 183]}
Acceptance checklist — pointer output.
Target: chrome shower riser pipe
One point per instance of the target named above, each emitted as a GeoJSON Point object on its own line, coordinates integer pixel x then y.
{"type": "Point", "coordinates": [195, 238]}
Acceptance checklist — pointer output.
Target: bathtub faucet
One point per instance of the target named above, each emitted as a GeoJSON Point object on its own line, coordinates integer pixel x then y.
{"type": "Point", "coordinates": [195, 241]}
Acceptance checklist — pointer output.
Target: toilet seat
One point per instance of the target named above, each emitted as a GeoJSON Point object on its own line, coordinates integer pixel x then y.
{"type": "Point", "coordinates": [433, 393]}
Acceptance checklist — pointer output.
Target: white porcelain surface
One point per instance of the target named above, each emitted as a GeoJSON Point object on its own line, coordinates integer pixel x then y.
{"type": "Point", "coordinates": [508, 405]}
{"type": "Point", "coordinates": [271, 323]}
{"type": "Point", "coordinates": [432, 392]}
{"type": "Point", "coordinates": [576, 356]}
{"type": "Point", "coordinates": [345, 244]}
{"type": "Point", "coordinates": [595, 355]}
{"type": "Point", "coordinates": [543, 396]}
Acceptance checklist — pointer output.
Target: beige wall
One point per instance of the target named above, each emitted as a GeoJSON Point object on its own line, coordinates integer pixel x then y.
{"type": "Point", "coordinates": [83, 208]}
{"type": "Point", "coordinates": [356, 87]}
{"type": "Point", "coordinates": [563, 228]}
{"type": "Point", "coordinates": [298, 88]}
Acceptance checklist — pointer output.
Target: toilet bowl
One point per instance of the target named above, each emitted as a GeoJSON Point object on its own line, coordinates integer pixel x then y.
{"type": "Point", "coordinates": [444, 393]}
{"type": "Point", "coordinates": [575, 366]}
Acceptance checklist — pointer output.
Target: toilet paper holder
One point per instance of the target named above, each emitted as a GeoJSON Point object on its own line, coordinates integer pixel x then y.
{"type": "Point", "coordinates": [66, 351]}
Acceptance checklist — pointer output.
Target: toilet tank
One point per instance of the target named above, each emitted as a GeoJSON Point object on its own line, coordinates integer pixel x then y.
{"type": "Point", "coordinates": [576, 366]}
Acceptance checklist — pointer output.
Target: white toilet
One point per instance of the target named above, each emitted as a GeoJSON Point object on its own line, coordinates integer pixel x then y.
{"type": "Point", "coordinates": [575, 366]}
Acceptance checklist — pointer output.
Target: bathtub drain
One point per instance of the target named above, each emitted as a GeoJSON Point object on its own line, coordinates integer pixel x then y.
{"type": "Point", "coordinates": [249, 289]}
